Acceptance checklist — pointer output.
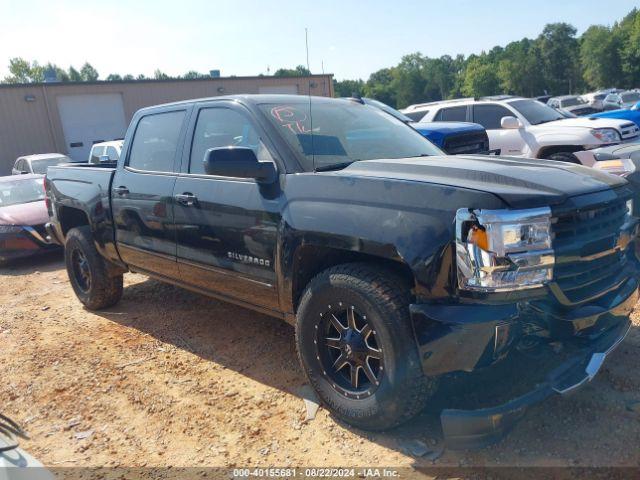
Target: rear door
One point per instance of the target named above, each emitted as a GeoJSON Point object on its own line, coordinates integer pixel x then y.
{"type": "Point", "coordinates": [142, 192]}
{"type": "Point", "coordinates": [226, 227]}
{"type": "Point", "coordinates": [509, 141]}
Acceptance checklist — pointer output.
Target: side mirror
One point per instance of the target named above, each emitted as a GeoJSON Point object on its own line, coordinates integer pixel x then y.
{"type": "Point", "coordinates": [510, 122]}
{"type": "Point", "coordinates": [239, 162]}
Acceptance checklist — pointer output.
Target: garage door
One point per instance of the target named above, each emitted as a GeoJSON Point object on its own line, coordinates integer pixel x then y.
{"type": "Point", "coordinates": [281, 89]}
{"type": "Point", "coordinates": [89, 119]}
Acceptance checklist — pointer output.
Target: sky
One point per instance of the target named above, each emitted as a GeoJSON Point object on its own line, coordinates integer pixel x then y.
{"type": "Point", "coordinates": [248, 37]}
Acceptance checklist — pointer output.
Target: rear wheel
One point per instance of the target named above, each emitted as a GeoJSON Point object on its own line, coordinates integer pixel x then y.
{"type": "Point", "coordinates": [88, 271]}
{"type": "Point", "coordinates": [567, 157]}
{"type": "Point", "coordinates": [356, 345]}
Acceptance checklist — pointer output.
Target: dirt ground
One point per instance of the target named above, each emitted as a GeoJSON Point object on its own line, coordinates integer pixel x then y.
{"type": "Point", "coordinates": [170, 378]}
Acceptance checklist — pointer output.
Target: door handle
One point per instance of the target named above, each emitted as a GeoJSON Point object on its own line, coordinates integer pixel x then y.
{"type": "Point", "coordinates": [120, 190]}
{"type": "Point", "coordinates": [187, 199]}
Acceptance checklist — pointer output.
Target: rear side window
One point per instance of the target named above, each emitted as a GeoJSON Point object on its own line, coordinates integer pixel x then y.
{"type": "Point", "coordinates": [112, 153]}
{"type": "Point", "coordinates": [452, 114]}
{"type": "Point", "coordinates": [223, 127]}
{"type": "Point", "coordinates": [489, 116]}
{"type": "Point", "coordinates": [417, 116]}
{"type": "Point", "coordinates": [155, 142]}
{"type": "Point", "coordinates": [96, 152]}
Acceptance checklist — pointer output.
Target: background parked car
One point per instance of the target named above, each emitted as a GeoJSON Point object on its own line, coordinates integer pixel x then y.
{"type": "Point", "coordinates": [38, 163]}
{"type": "Point", "coordinates": [527, 128]}
{"type": "Point", "coordinates": [572, 103]}
{"type": "Point", "coordinates": [632, 114]}
{"type": "Point", "coordinates": [105, 152]}
{"type": "Point", "coordinates": [455, 138]}
{"type": "Point", "coordinates": [23, 215]}
{"type": "Point", "coordinates": [595, 99]}
{"type": "Point", "coordinates": [615, 101]}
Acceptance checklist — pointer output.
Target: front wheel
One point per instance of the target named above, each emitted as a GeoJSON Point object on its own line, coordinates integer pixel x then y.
{"type": "Point", "coordinates": [357, 348]}
{"type": "Point", "coordinates": [88, 272]}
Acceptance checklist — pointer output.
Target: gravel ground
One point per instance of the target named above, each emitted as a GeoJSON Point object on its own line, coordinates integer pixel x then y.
{"type": "Point", "coordinates": [171, 378]}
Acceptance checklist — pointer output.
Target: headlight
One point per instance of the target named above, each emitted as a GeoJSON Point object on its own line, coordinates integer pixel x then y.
{"type": "Point", "coordinates": [620, 166]}
{"type": "Point", "coordinates": [503, 250]}
{"type": "Point", "coordinates": [630, 207]}
{"type": "Point", "coordinates": [606, 135]}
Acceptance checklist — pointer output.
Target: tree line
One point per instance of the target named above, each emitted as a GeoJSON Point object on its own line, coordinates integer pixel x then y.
{"type": "Point", "coordinates": [556, 62]}
{"type": "Point", "coordinates": [24, 71]}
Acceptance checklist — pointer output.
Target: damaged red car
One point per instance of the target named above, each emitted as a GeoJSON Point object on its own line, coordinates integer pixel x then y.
{"type": "Point", "coordinates": [23, 214]}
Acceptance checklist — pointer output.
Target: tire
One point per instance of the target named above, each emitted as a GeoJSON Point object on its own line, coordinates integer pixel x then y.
{"type": "Point", "coordinates": [566, 157]}
{"type": "Point", "coordinates": [88, 271]}
{"type": "Point", "coordinates": [380, 304]}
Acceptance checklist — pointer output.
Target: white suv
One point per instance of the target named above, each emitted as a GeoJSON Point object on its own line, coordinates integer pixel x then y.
{"type": "Point", "coordinates": [525, 127]}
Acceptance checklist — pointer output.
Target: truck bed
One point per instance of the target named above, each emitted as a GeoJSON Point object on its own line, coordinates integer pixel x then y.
{"type": "Point", "coordinates": [81, 192]}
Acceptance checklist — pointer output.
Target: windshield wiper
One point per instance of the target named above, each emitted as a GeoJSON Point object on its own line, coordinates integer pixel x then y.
{"type": "Point", "coordinates": [334, 166]}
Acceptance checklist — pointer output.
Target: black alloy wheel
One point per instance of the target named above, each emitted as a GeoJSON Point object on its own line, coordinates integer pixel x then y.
{"type": "Point", "coordinates": [348, 350]}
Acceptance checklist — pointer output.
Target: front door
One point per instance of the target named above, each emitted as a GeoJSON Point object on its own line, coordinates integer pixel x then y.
{"type": "Point", "coordinates": [510, 141]}
{"type": "Point", "coordinates": [226, 228]}
{"type": "Point", "coordinates": [142, 194]}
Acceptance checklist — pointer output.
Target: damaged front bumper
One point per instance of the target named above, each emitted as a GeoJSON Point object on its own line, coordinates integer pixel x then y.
{"type": "Point", "coordinates": [467, 429]}
{"type": "Point", "coordinates": [468, 342]}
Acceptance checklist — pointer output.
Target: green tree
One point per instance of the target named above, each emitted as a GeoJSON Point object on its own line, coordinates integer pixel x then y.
{"type": "Point", "coordinates": [128, 77]}
{"type": "Point", "coordinates": [629, 31]}
{"type": "Point", "coordinates": [88, 73]}
{"type": "Point", "coordinates": [192, 74]}
{"type": "Point", "coordinates": [160, 75]}
{"type": "Point", "coordinates": [519, 69]}
{"type": "Point", "coordinates": [23, 71]}
{"type": "Point", "coordinates": [480, 78]}
{"type": "Point", "coordinates": [380, 86]}
{"type": "Point", "coordinates": [348, 88]}
{"type": "Point", "coordinates": [299, 71]}
{"type": "Point", "coordinates": [74, 75]}
{"type": "Point", "coordinates": [559, 53]}
{"type": "Point", "coordinates": [114, 77]}
{"type": "Point", "coordinates": [600, 50]}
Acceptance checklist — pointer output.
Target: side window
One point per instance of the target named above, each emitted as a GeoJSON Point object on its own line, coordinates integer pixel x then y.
{"type": "Point", "coordinates": [417, 116]}
{"type": "Point", "coordinates": [112, 153]}
{"type": "Point", "coordinates": [223, 127]}
{"type": "Point", "coordinates": [96, 151]}
{"type": "Point", "coordinates": [490, 115]}
{"type": "Point", "coordinates": [452, 114]}
{"type": "Point", "coordinates": [155, 141]}
{"type": "Point", "coordinates": [20, 165]}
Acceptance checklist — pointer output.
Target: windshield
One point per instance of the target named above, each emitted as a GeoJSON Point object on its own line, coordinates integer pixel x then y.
{"type": "Point", "coordinates": [630, 97]}
{"type": "Point", "coordinates": [341, 132]}
{"type": "Point", "coordinates": [570, 102]}
{"type": "Point", "coordinates": [21, 191]}
{"type": "Point", "coordinates": [40, 166]}
{"type": "Point", "coordinates": [535, 112]}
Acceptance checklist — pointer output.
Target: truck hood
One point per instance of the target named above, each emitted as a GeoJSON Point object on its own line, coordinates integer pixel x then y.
{"type": "Point", "coordinates": [521, 183]}
{"type": "Point", "coordinates": [586, 122]}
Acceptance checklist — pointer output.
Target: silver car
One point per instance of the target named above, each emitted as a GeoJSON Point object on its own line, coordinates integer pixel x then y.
{"type": "Point", "coordinates": [38, 164]}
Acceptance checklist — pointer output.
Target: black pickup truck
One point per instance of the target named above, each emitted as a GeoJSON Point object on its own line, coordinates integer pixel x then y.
{"type": "Point", "coordinates": [398, 266]}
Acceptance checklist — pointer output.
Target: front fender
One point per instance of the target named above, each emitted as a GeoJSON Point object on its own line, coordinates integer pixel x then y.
{"type": "Point", "coordinates": [403, 221]}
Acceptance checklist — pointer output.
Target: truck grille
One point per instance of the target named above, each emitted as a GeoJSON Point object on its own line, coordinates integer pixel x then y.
{"type": "Point", "coordinates": [629, 130]}
{"type": "Point", "coordinates": [472, 142]}
{"type": "Point", "coordinates": [585, 241]}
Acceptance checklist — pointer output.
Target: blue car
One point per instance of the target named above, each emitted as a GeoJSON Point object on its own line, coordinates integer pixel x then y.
{"type": "Point", "coordinates": [453, 137]}
{"type": "Point", "coordinates": [632, 114]}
